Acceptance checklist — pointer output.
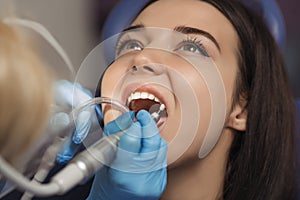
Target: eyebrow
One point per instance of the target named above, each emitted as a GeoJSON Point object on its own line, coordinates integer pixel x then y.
{"type": "Point", "coordinates": [130, 28]}
{"type": "Point", "coordinates": [191, 30]}
{"type": "Point", "coordinates": [134, 27]}
{"type": "Point", "coordinates": [184, 30]}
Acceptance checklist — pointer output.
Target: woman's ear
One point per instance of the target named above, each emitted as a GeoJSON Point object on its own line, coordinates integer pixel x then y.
{"type": "Point", "coordinates": [238, 117]}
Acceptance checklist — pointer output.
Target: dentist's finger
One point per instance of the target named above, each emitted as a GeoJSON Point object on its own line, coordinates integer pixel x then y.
{"type": "Point", "coordinates": [83, 126]}
{"type": "Point", "coordinates": [68, 152]}
{"type": "Point", "coordinates": [151, 137]}
{"type": "Point", "coordinates": [148, 124]}
{"type": "Point", "coordinates": [121, 123]}
{"type": "Point", "coordinates": [131, 140]}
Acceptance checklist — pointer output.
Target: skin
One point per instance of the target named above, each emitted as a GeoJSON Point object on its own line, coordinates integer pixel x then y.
{"type": "Point", "coordinates": [188, 177]}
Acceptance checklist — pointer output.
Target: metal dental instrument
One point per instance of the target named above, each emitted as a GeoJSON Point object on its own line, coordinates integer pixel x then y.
{"type": "Point", "coordinates": [156, 115]}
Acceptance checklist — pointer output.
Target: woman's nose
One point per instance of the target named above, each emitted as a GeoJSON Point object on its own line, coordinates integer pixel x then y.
{"type": "Point", "coordinates": [147, 62]}
{"type": "Point", "coordinates": [144, 69]}
{"type": "Point", "coordinates": [149, 69]}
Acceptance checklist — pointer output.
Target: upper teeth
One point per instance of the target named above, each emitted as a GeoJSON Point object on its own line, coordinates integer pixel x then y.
{"type": "Point", "coordinates": [142, 95]}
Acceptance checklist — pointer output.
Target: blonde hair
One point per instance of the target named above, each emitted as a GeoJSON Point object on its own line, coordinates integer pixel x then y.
{"type": "Point", "coordinates": [26, 94]}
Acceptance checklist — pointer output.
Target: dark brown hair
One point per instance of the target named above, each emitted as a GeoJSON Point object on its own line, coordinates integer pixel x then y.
{"type": "Point", "coordinates": [262, 159]}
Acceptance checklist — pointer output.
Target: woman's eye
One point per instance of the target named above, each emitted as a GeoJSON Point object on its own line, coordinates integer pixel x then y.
{"type": "Point", "coordinates": [127, 46]}
{"type": "Point", "coordinates": [192, 47]}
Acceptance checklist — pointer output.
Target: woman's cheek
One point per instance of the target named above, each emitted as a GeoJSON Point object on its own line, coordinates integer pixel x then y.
{"type": "Point", "coordinates": [109, 81]}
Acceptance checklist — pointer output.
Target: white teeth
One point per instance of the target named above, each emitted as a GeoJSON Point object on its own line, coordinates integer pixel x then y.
{"type": "Point", "coordinates": [142, 95]}
{"type": "Point", "coordinates": [136, 95]}
{"type": "Point", "coordinates": [151, 96]}
{"type": "Point", "coordinates": [129, 99]}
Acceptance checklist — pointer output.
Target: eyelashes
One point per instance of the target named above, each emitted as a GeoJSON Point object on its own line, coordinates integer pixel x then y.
{"type": "Point", "coordinates": [189, 45]}
{"type": "Point", "coordinates": [125, 45]}
{"type": "Point", "coordinates": [193, 45]}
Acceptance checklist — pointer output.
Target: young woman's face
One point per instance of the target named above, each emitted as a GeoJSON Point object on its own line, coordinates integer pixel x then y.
{"type": "Point", "coordinates": [165, 71]}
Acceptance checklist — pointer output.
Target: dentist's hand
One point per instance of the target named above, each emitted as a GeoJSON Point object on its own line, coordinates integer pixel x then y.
{"type": "Point", "coordinates": [139, 169]}
{"type": "Point", "coordinates": [73, 95]}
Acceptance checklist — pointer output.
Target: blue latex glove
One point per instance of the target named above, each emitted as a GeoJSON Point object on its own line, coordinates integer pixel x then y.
{"type": "Point", "coordinates": [139, 169]}
{"type": "Point", "coordinates": [73, 95]}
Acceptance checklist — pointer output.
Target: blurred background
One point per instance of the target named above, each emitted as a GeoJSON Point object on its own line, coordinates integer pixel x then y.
{"type": "Point", "coordinates": [291, 15]}
{"type": "Point", "coordinates": [77, 24]}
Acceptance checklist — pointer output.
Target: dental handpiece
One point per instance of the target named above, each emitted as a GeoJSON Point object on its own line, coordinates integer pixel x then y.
{"type": "Point", "coordinates": [156, 115]}
{"type": "Point", "coordinates": [90, 161]}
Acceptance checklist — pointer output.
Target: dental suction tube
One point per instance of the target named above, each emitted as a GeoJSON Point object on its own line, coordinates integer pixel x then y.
{"type": "Point", "coordinates": [22, 182]}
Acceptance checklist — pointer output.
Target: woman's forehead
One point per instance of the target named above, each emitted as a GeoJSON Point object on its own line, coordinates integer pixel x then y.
{"type": "Point", "coordinates": [191, 13]}
{"type": "Point", "coordinates": [177, 12]}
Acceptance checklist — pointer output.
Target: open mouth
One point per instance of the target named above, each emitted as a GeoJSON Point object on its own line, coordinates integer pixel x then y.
{"type": "Point", "coordinates": [147, 101]}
